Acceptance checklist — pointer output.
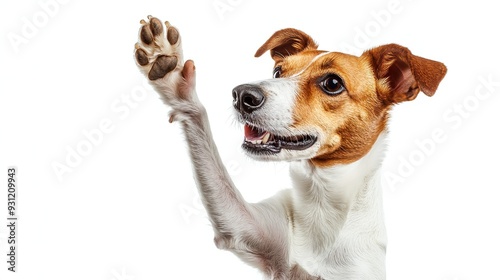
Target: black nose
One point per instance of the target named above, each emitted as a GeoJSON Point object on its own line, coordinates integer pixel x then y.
{"type": "Point", "coordinates": [248, 98]}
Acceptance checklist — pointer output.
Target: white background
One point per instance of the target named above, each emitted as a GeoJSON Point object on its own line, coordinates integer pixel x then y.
{"type": "Point", "coordinates": [128, 209]}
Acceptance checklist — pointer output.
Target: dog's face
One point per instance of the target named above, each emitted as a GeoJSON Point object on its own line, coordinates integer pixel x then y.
{"type": "Point", "coordinates": [329, 107]}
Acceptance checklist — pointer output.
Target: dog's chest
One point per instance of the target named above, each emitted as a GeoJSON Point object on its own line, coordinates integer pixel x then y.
{"type": "Point", "coordinates": [338, 227]}
{"type": "Point", "coordinates": [353, 250]}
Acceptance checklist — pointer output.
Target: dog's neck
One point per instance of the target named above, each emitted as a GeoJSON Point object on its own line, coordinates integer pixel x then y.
{"type": "Point", "coordinates": [338, 184]}
{"type": "Point", "coordinates": [337, 204]}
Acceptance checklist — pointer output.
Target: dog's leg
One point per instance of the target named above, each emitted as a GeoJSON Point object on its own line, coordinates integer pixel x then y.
{"type": "Point", "coordinates": [256, 233]}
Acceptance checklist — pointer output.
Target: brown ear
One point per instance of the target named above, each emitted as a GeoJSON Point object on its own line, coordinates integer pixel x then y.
{"type": "Point", "coordinates": [286, 42]}
{"type": "Point", "coordinates": [405, 73]}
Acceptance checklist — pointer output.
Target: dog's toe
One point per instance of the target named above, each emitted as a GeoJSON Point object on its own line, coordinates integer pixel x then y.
{"type": "Point", "coordinates": [142, 57]}
{"type": "Point", "coordinates": [172, 34]}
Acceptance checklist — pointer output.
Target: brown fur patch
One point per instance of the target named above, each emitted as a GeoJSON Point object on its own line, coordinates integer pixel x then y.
{"type": "Point", "coordinates": [287, 42]}
{"type": "Point", "coordinates": [351, 121]}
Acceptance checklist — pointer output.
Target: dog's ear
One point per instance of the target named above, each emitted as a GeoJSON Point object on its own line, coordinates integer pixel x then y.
{"type": "Point", "coordinates": [286, 42]}
{"type": "Point", "coordinates": [406, 74]}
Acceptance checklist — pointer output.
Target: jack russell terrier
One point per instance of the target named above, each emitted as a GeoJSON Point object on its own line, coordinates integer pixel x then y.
{"type": "Point", "coordinates": [324, 112]}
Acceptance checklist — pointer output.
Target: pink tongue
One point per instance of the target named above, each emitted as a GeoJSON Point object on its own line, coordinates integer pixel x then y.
{"type": "Point", "coordinates": [253, 133]}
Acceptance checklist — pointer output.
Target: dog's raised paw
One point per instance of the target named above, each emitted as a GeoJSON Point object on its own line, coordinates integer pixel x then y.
{"type": "Point", "coordinates": [157, 52]}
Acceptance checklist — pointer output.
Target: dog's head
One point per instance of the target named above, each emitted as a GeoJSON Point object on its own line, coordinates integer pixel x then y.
{"type": "Point", "coordinates": [329, 107]}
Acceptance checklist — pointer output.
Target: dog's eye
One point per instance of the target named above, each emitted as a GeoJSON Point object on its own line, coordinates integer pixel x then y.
{"type": "Point", "coordinates": [332, 85]}
{"type": "Point", "coordinates": [277, 72]}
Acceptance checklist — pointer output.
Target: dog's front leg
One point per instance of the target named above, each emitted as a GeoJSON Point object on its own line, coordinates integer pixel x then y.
{"type": "Point", "coordinates": [256, 233]}
{"type": "Point", "coordinates": [239, 227]}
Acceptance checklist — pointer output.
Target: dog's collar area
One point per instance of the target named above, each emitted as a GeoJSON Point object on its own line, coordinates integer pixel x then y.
{"type": "Point", "coordinates": [260, 141]}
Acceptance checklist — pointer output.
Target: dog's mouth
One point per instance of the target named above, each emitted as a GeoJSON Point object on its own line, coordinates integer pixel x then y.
{"type": "Point", "coordinates": [258, 141]}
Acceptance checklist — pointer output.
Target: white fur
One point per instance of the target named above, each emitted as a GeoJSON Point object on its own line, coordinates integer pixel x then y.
{"type": "Point", "coordinates": [311, 63]}
{"type": "Point", "coordinates": [276, 113]}
{"type": "Point", "coordinates": [276, 116]}
{"type": "Point", "coordinates": [341, 208]}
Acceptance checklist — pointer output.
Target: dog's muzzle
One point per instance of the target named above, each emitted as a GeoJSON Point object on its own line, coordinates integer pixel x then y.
{"type": "Point", "coordinates": [248, 98]}
{"type": "Point", "coordinates": [261, 138]}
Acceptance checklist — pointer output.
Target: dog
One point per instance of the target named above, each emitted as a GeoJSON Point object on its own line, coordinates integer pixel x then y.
{"type": "Point", "coordinates": [326, 113]}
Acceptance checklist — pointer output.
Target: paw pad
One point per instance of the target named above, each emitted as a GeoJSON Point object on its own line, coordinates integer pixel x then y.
{"type": "Point", "coordinates": [156, 26]}
{"type": "Point", "coordinates": [163, 65]}
{"type": "Point", "coordinates": [157, 52]}
{"type": "Point", "coordinates": [172, 34]}
{"type": "Point", "coordinates": [142, 57]}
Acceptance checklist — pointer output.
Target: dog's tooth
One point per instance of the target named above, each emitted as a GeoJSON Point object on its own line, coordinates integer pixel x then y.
{"type": "Point", "coordinates": [266, 138]}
